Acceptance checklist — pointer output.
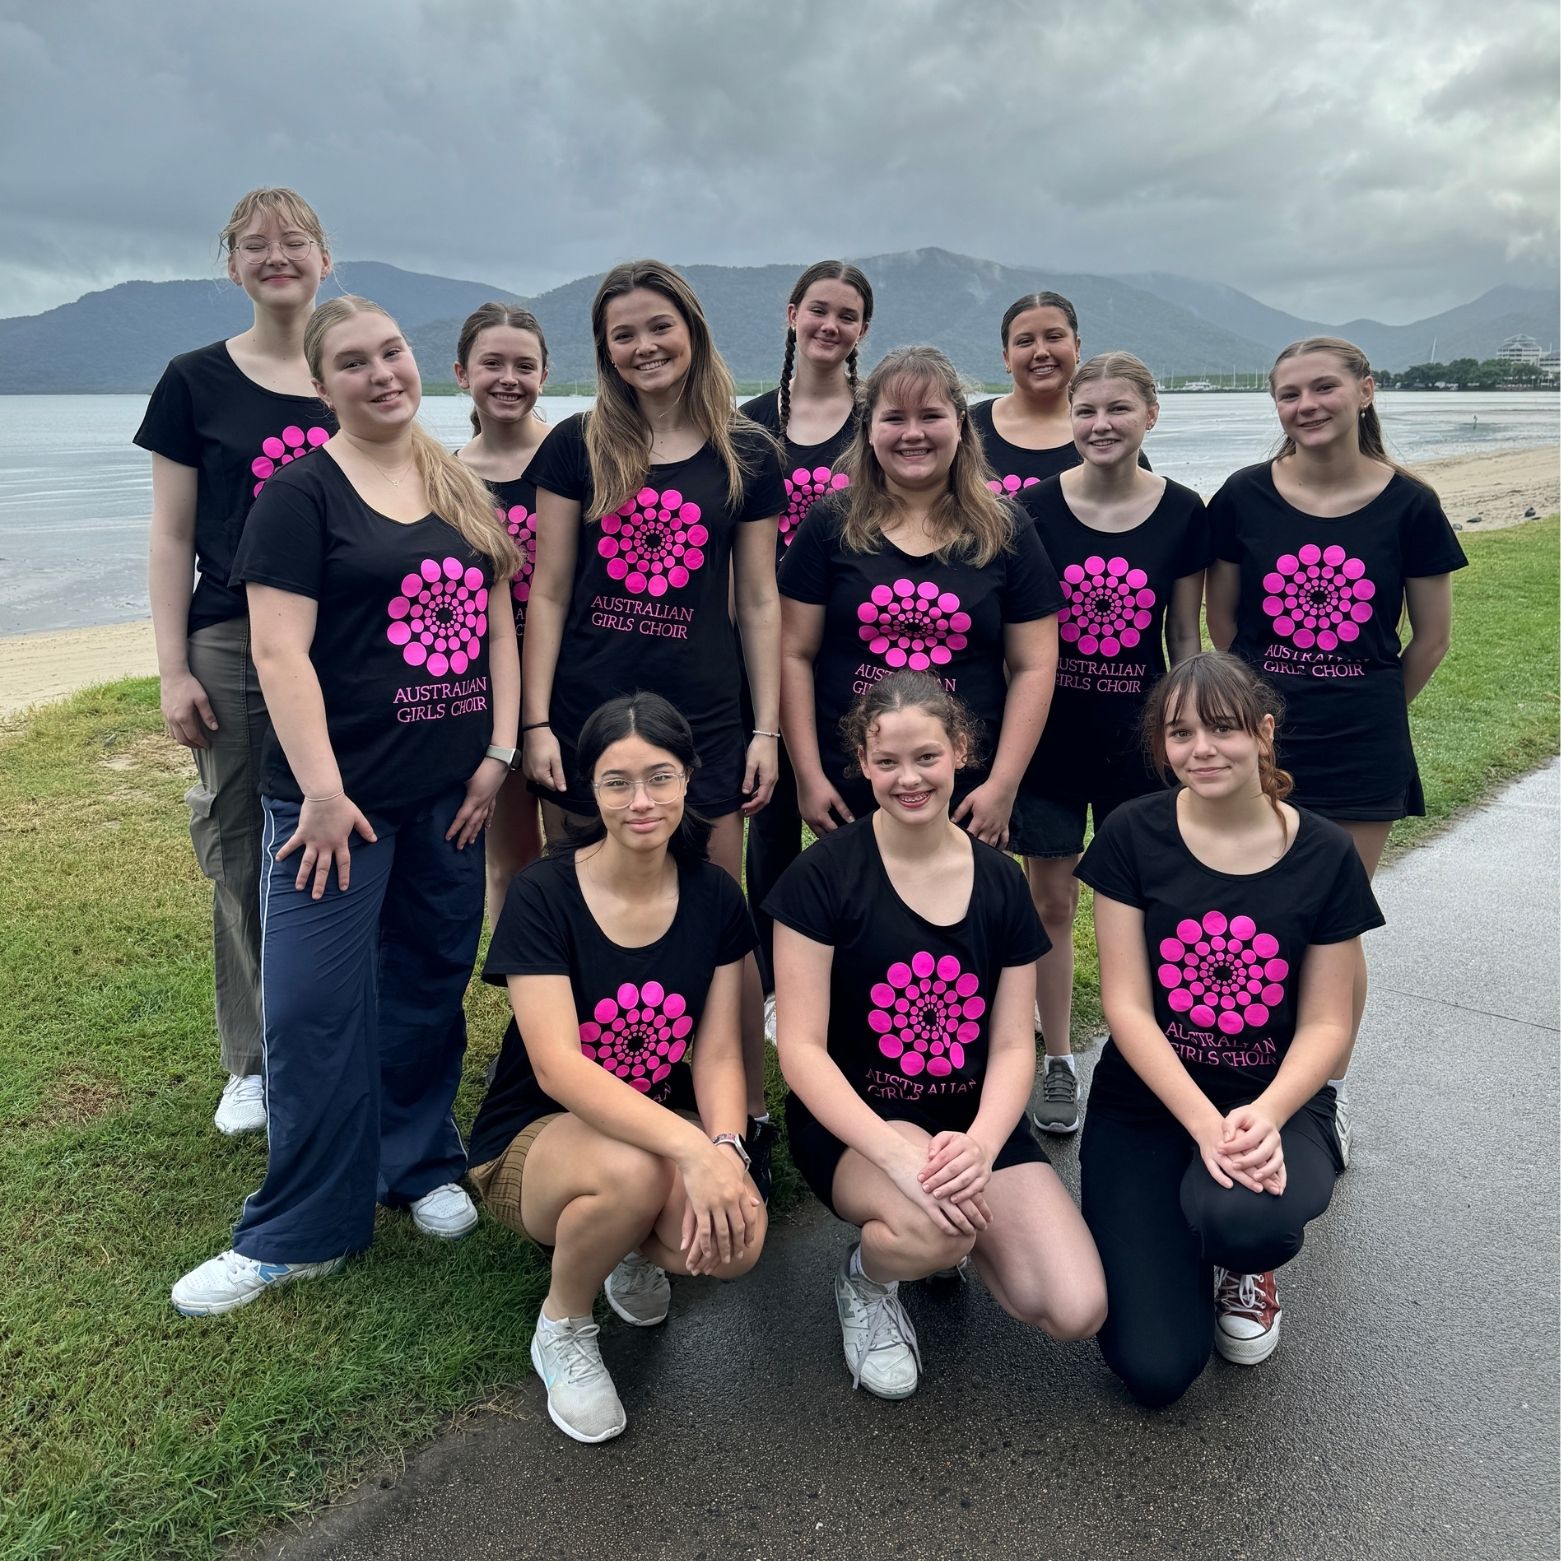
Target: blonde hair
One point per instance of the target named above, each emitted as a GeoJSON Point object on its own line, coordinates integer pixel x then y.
{"type": "Point", "coordinates": [1355, 363]}
{"type": "Point", "coordinates": [617, 435]}
{"type": "Point", "coordinates": [454, 493]}
{"type": "Point", "coordinates": [969, 519]}
{"type": "Point", "coordinates": [272, 201]}
{"type": "Point", "coordinates": [1117, 365]}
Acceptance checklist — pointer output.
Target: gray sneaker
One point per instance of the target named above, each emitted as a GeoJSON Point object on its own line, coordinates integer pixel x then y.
{"type": "Point", "coordinates": [639, 1292]}
{"type": "Point", "coordinates": [879, 1339]}
{"type": "Point", "coordinates": [1342, 1126]}
{"type": "Point", "coordinates": [1058, 1108]}
{"type": "Point", "coordinates": [581, 1400]}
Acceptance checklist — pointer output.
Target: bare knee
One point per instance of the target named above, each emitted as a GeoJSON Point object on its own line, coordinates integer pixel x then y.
{"type": "Point", "coordinates": [631, 1177]}
{"type": "Point", "coordinates": [1056, 897]}
{"type": "Point", "coordinates": [919, 1245]}
{"type": "Point", "coordinates": [735, 1267]}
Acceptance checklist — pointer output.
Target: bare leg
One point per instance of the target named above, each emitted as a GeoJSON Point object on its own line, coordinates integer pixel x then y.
{"type": "Point", "coordinates": [514, 841]}
{"type": "Point", "coordinates": [1037, 1257]}
{"type": "Point", "coordinates": [1370, 837]}
{"type": "Point", "coordinates": [1055, 892]}
{"type": "Point", "coordinates": [726, 851]}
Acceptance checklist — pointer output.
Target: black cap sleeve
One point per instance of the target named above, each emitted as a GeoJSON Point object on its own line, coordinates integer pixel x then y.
{"type": "Point", "coordinates": [1110, 865]}
{"type": "Point", "coordinates": [168, 426]}
{"type": "Point", "coordinates": [284, 537]}
{"type": "Point", "coordinates": [532, 937]}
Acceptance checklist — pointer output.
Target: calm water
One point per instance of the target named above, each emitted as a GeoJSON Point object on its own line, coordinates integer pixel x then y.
{"type": "Point", "coordinates": [75, 493]}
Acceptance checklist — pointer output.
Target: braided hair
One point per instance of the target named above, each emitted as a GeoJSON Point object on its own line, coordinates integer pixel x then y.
{"type": "Point", "coordinates": [821, 271]}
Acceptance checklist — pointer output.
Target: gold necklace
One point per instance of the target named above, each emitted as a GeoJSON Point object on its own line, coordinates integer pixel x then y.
{"type": "Point", "coordinates": [389, 477]}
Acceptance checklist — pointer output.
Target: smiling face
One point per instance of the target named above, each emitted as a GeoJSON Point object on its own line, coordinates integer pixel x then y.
{"type": "Point", "coordinates": [1110, 419]}
{"type": "Point", "coordinates": [1319, 400]}
{"type": "Point", "coordinates": [1042, 351]}
{"type": "Point", "coordinates": [829, 322]}
{"type": "Point", "coordinates": [368, 376]}
{"type": "Point", "coordinates": [504, 373]}
{"type": "Point", "coordinates": [1213, 755]}
{"type": "Point", "coordinates": [640, 793]}
{"type": "Point", "coordinates": [914, 434]}
{"type": "Point", "coordinates": [910, 762]}
{"type": "Point", "coordinates": [277, 261]}
{"type": "Point", "coordinates": [648, 341]}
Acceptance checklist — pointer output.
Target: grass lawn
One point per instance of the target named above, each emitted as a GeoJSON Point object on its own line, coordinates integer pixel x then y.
{"type": "Point", "coordinates": [127, 1431]}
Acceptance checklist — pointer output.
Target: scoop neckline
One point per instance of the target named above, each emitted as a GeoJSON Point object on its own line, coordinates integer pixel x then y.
{"type": "Point", "coordinates": [1301, 822]}
{"type": "Point", "coordinates": [378, 514]}
{"type": "Point", "coordinates": [265, 390]}
{"type": "Point", "coordinates": [573, 862]}
{"type": "Point", "coordinates": [1084, 525]}
{"type": "Point", "coordinates": [1267, 468]}
{"type": "Point", "coordinates": [1027, 449]}
{"type": "Point", "coordinates": [899, 899]}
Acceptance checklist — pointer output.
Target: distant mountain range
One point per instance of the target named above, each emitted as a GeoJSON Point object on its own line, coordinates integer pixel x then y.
{"type": "Point", "coordinates": [118, 340]}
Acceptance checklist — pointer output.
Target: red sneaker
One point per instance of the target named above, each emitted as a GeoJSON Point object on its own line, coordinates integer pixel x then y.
{"type": "Point", "coordinates": [1246, 1316]}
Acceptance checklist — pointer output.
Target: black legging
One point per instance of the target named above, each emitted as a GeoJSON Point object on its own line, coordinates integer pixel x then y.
{"type": "Point", "coordinates": [774, 843]}
{"type": "Point", "coordinates": [1161, 1222]}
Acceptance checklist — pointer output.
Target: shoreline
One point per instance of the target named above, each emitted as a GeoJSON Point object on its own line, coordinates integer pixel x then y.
{"type": "Point", "coordinates": [50, 664]}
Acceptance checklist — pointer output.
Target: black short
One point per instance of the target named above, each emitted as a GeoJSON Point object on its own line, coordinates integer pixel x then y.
{"type": "Point", "coordinates": [816, 1152]}
{"type": "Point", "coordinates": [1047, 827]}
{"type": "Point", "coordinates": [1407, 801]}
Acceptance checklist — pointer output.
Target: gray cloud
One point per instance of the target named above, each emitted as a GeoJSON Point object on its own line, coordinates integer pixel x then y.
{"type": "Point", "coordinates": [1334, 159]}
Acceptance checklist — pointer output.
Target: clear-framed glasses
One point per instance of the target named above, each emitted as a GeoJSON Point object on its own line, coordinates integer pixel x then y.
{"type": "Point", "coordinates": [617, 791]}
{"type": "Point", "coordinates": [257, 250]}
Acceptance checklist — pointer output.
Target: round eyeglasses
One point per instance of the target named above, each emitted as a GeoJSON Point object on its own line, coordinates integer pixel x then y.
{"type": "Point", "coordinates": [257, 250]}
{"type": "Point", "coordinates": [617, 791]}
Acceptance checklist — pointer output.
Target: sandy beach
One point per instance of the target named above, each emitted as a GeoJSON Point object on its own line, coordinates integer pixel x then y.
{"type": "Point", "coordinates": [37, 668]}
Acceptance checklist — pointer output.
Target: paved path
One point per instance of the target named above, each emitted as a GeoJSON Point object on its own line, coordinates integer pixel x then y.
{"type": "Point", "coordinates": [1410, 1412]}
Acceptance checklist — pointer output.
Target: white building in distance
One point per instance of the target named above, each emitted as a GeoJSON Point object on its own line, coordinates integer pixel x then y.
{"type": "Point", "coordinates": [1520, 349]}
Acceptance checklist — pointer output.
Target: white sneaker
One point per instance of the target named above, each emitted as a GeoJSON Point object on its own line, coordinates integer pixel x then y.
{"type": "Point", "coordinates": [639, 1292]}
{"type": "Point", "coordinates": [581, 1400]}
{"type": "Point", "coordinates": [242, 1108]}
{"type": "Point", "coordinates": [879, 1340]}
{"type": "Point", "coordinates": [228, 1281]}
{"type": "Point", "coordinates": [445, 1212]}
{"type": "Point", "coordinates": [1341, 1121]}
{"type": "Point", "coordinates": [770, 1032]}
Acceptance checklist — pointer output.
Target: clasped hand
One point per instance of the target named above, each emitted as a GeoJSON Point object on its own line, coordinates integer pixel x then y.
{"type": "Point", "coordinates": [1245, 1146]}
{"type": "Point", "coordinates": [947, 1183]}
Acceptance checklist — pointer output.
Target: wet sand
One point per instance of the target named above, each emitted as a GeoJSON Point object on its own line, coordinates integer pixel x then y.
{"type": "Point", "coordinates": [37, 668]}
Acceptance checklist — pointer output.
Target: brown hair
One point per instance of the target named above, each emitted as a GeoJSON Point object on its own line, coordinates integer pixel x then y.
{"type": "Point", "coordinates": [490, 314]}
{"type": "Point", "coordinates": [969, 519]}
{"type": "Point", "coordinates": [909, 691]}
{"type": "Point", "coordinates": [1220, 687]}
{"type": "Point", "coordinates": [617, 436]}
{"type": "Point", "coordinates": [454, 493]}
{"type": "Point", "coordinates": [1355, 363]}
{"type": "Point", "coordinates": [1117, 365]}
{"type": "Point", "coordinates": [1039, 301]}
{"type": "Point", "coordinates": [822, 271]}
{"type": "Point", "coordinates": [272, 201]}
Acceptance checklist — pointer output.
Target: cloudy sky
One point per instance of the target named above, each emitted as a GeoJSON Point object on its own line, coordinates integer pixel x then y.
{"type": "Point", "coordinates": [1334, 158]}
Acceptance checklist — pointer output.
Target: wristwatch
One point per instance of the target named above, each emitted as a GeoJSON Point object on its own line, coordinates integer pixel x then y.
{"type": "Point", "coordinates": [508, 757]}
{"type": "Point", "coordinates": [736, 1143]}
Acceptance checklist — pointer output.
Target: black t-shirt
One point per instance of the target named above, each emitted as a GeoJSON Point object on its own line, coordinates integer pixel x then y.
{"type": "Point", "coordinates": [1017, 468]}
{"type": "Point", "coordinates": [909, 1000]}
{"type": "Point", "coordinates": [517, 504]}
{"type": "Point", "coordinates": [400, 641]}
{"type": "Point", "coordinates": [809, 468]}
{"type": "Point", "coordinates": [638, 1009]}
{"type": "Point", "coordinates": [649, 602]}
{"type": "Point", "coordinates": [1225, 950]}
{"type": "Point", "coordinates": [1111, 637]}
{"type": "Point", "coordinates": [887, 610]}
{"type": "Point", "coordinates": [207, 413]}
{"type": "Point", "coordinates": [1320, 603]}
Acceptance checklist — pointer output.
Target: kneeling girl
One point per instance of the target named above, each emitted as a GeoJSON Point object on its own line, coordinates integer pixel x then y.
{"type": "Point", "coordinates": [905, 977]}
{"type": "Point", "coordinates": [611, 1130]}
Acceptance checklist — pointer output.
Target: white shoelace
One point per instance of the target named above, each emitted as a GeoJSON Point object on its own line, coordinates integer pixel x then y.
{"type": "Point", "coordinates": [578, 1353]}
{"type": "Point", "coordinates": [887, 1325]}
{"type": "Point", "coordinates": [1239, 1293]}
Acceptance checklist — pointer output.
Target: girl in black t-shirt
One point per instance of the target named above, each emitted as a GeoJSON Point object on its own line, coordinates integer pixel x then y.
{"type": "Point", "coordinates": [1131, 549]}
{"type": "Point", "coordinates": [656, 511]}
{"type": "Point", "coordinates": [1228, 924]}
{"type": "Point", "coordinates": [905, 973]}
{"type": "Point", "coordinates": [611, 1130]}
{"type": "Point", "coordinates": [393, 694]}
{"type": "Point", "coordinates": [813, 413]}
{"type": "Point", "coordinates": [501, 363]}
{"type": "Point", "coordinates": [1319, 553]}
{"type": "Point", "coordinates": [916, 565]}
{"type": "Point", "coordinates": [221, 422]}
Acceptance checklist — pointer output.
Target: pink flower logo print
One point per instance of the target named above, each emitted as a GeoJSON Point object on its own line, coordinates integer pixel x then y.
{"type": "Point", "coordinates": [1318, 596]}
{"type": "Point", "coordinates": [1109, 605]}
{"type": "Point", "coordinates": [1223, 974]}
{"type": "Point", "coordinates": [440, 617]}
{"type": "Point", "coordinates": [925, 1014]}
{"type": "Point", "coordinates": [804, 489]}
{"type": "Point", "coordinates": [639, 1035]}
{"type": "Point", "coordinates": [915, 624]}
{"type": "Point", "coordinates": [293, 444]}
{"type": "Point", "coordinates": [653, 543]}
{"type": "Point", "coordinates": [522, 526]}
{"type": "Point", "coordinates": [1008, 486]}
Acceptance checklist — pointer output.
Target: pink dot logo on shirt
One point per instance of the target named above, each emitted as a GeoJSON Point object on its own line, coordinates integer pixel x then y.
{"type": "Point", "coordinates": [293, 444]}
{"type": "Point", "coordinates": [915, 624]}
{"type": "Point", "coordinates": [440, 617]}
{"type": "Point", "coordinates": [1222, 973]}
{"type": "Point", "coordinates": [804, 489]}
{"type": "Point", "coordinates": [1318, 596]}
{"type": "Point", "coordinates": [925, 1014]}
{"type": "Point", "coordinates": [1008, 486]}
{"type": "Point", "coordinates": [638, 1035]}
{"type": "Point", "coordinates": [1109, 605]}
{"type": "Point", "coordinates": [654, 543]}
{"type": "Point", "coordinates": [522, 526]}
